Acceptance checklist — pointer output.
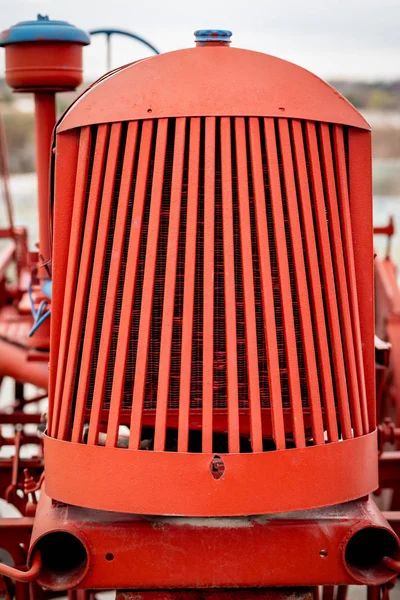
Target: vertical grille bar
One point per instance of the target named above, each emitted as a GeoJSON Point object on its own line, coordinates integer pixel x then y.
{"type": "Point", "coordinates": [343, 299]}
{"type": "Point", "coordinates": [278, 428]}
{"type": "Point", "coordinates": [96, 282]}
{"type": "Point", "coordinates": [315, 282]}
{"type": "Point", "coordinates": [301, 284]}
{"type": "Point", "coordinates": [148, 285]}
{"type": "Point", "coordinates": [329, 281]}
{"type": "Point", "coordinates": [72, 268]}
{"type": "Point", "coordinates": [72, 371]}
{"type": "Point", "coordinates": [344, 209]}
{"type": "Point", "coordinates": [359, 174]}
{"type": "Point", "coordinates": [189, 287]}
{"type": "Point", "coordinates": [248, 287]}
{"type": "Point", "coordinates": [284, 279]}
{"type": "Point", "coordinates": [208, 303]}
{"type": "Point", "coordinates": [112, 287]}
{"type": "Point", "coordinates": [117, 390]}
{"type": "Point", "coordinates": [229, 288]}
{"type": "Point", "coordinates": [64, 183]}
{"type": "Point", "coordinates": [169, 289]}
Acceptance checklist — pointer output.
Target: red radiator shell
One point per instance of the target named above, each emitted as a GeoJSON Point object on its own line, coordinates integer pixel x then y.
{"type": "Point", "coordinates": [215, 291]}
{"type": "Point", "coordinates": [211, 81]}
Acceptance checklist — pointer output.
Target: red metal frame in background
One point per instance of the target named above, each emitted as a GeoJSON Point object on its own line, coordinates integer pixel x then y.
{"type": "Point", "coordinates": [387, 318]}
{"type": "Point", "coordinates": [22, 358]}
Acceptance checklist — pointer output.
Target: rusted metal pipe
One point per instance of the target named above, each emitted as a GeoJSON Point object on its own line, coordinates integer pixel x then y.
{"type": "Point", "coordinates": [386, 229]}
{"type": "Point", "coordinates": [23, 576]}
{"type": "Point", "coordinates": [391, 563]}
{"type": "Point", "coordinates": [368, 550]}
{"type": "Point", "coordinates": [45, 118]}
{"type": "Point", "coordinates": [14, 363]}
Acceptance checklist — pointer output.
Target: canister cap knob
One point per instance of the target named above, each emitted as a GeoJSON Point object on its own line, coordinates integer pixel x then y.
{"type": "Point", "coordinates": [208, 37]}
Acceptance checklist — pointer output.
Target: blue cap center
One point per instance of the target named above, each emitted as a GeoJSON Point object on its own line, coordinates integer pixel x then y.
{"type": "Point", "coordinates": [203, 36]}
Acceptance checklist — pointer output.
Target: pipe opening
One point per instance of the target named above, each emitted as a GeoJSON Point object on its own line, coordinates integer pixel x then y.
{"type": "Point", "coordinates": [64, 560]}
{"type": "Point", "coordinates": [364, 553]}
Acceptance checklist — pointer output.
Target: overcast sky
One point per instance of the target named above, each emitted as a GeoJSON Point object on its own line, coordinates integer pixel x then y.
{"type": "Point", "coordinates": [334, 38]}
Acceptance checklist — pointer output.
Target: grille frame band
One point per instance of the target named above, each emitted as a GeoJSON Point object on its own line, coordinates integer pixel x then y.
{"type": "Point", "coordinates": [178, 483]}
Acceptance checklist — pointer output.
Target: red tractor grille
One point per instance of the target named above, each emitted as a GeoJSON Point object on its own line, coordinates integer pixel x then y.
{"type": "Point", "coordinates": [211, 302]}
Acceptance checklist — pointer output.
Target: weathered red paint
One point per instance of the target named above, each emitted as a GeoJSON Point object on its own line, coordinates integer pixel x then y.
{"type": "Point", "coordinates": [136, 552]}
{"type": "Point", "coordinates": [180, 483]}
{"type": "Point", "coordinates": [271, 331]}
{"type": "Point", "coordinates": [212, 81]}
{"type": "Point", "coordinates": [43, 64]}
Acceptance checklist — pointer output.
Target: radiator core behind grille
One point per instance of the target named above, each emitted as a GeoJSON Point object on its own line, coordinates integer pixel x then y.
{"type": "Point", "coordinates": [211, 302]}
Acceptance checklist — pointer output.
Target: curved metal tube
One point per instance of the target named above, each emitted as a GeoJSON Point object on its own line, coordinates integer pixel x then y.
{"type": "Point", "coordinates": [391, 563]}
{"type": "Point", "coordinates": [23, 576]}
{"type": "Point", "coordinates": [110, 32]}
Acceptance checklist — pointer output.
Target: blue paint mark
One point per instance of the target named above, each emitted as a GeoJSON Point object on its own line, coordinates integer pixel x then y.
{"type": "Point", "coordinates": [39, 315]}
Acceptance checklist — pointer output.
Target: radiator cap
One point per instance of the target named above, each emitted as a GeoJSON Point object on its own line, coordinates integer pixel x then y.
{"type": "Point", "coordinates": [213, 37]}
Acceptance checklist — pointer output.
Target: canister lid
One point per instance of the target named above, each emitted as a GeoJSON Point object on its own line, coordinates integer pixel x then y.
{"type": "Point", "coordinates": [43, 30]}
